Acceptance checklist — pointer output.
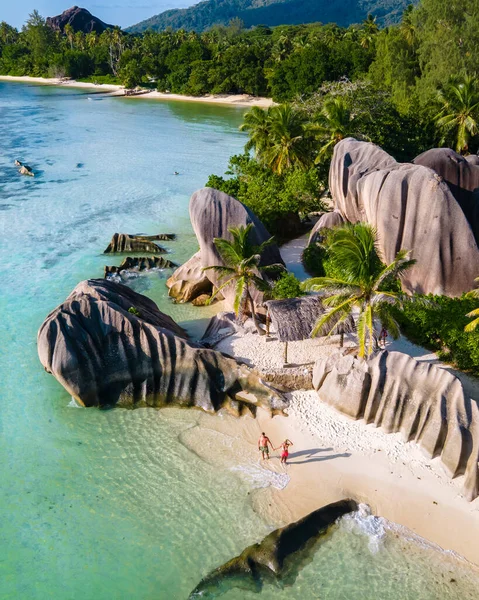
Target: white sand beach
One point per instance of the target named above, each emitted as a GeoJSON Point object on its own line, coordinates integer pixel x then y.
{"type": "Point", "coordinates": [118, 90]}
{"type": "Point", "coordinates": [334, 457]}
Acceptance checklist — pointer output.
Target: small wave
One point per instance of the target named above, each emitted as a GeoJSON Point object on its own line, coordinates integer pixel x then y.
{"type": "Point", "coordinates": [362, 522]}
{"type": "Point", "coordinates": [262, 478]}
{"type": "Point", "coordinates": [74, 404]}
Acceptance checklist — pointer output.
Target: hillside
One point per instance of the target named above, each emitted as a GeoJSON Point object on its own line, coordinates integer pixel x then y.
{"type": "Point", "coordinates": [274, 12]}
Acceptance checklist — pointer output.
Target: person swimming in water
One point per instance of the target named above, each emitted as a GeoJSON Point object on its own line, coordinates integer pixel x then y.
{"type": "Point", "coordinates": [263, 443]}
{"type": "Point", "coordinates": [285, 450]}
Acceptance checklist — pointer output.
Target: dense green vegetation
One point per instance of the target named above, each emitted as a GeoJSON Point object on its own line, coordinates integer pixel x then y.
{"type": "Point", "coordinates": [407, 87]}
{"type": "Point", "coordinates": [287, 286]}
{"type": "Point", "coordinates": [204, 15]}
{"type": "Point", "coordinates": [439, 325]}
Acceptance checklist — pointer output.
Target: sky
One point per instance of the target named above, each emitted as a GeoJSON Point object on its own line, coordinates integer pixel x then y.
{"type": "Point", "coordinates": [115, 12]}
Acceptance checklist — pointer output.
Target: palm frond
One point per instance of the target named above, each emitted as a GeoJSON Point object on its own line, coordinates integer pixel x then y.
{"type": "Point", "coordinates": [218, 290]}
{"type": "Point", "coordinates": [342, 309]}
{"type": "Point", "coordinates": [239, 290]}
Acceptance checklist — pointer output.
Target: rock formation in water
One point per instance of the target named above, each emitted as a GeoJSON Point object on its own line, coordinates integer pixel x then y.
{"type": "Point", "coordinates": [412, 208]}
{"type": "Point", "coordinates": [79, 19]}
{"type": "Point", "coordinates": [267, 559]}
{"type": "Point", "coordinates": [462, 177]}
{"type": "Point", "coordinates": [108, 345]}
{"type": "Point", "coordinates": [212, 213]}
{"type": "Point", "coordinates": [425, 403]}
{"type": "Point", "coordinates": [124, 242]}
{"type": "Point", "coordinates": [141, 263]}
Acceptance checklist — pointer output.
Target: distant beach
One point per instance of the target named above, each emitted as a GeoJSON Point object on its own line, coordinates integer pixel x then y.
{"type": "Point", "coordinates": [117, 90]}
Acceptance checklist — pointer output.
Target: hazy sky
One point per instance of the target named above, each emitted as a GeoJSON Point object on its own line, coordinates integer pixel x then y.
{"type": "Point", "coordinates": [116, 12]}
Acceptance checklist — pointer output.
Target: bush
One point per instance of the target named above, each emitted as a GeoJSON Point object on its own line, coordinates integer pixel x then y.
{"type": "Point", "coordinates": [287, 286]}
{"type": "Point", "coordinates": [440, 326]}
{"type": "Point", "coordinates": [277, 200]}
{"type": "Point", "coordinates": [313, 258]}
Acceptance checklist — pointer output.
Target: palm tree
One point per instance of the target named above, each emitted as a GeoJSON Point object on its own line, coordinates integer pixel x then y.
{"type": "Point", "coordinates": [288, 140]}
{"type": "Point", "coordinates": [257, 123]}
{"type": "Point", "coordinates": [334, 123]}
{"type": "Point", "coordinates": [361, 284]}
{"type": "Point", "coordinates": [242, 268]}
{"type": "Point", "coordinates": [279, 136]}
{"type": "Point", "coordinates": [459, 115]}
{"type": "Point", "coordinates": [407, 27]}
{"type": "Point", "coordinates": [472, 326]}
{"type": "Point", "coordinates": [368, 31]}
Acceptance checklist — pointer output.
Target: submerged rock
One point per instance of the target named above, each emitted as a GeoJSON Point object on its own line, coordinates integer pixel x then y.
{"type": "Point", "coordinates": [212, 213]}
{"type": "Point", "coordinates": [425, 403]}
{"type": "Point", "coordinates": [412, 208]}
{"type": "Point", "coordinates": [108, 345]}
{"type": "Point", "coordinates": [142, 263]}
{"type": "Point", "coordinates": [275, 555]}
{"type": "Point", "coordinates": [124, 242]}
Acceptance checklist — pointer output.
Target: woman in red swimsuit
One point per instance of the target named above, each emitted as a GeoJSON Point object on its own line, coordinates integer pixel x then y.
{"type": "Point", "coordinates": [285, 450]}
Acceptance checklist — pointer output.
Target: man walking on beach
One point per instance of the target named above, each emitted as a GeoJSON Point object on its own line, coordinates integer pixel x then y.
{"type": "Point", "coordinates": [263, 443]}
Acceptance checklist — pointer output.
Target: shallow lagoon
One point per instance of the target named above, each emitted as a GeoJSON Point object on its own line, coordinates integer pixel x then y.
{"type": "Point", "coordinates": [110, 504]}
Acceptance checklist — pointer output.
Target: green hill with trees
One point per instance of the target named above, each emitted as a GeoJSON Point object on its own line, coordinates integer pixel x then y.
{"type": "Point", "coordinates": [209, 13]}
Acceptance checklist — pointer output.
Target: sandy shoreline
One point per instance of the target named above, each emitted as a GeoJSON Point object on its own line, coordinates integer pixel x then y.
{"type": "Point", "coordinates": [334, 457]}
{"type": "Point", "coordinates": [117, 90]}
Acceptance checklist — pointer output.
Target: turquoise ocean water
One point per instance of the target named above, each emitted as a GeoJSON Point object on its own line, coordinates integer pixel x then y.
{"type": "Point", "coordinates": [112, 504]}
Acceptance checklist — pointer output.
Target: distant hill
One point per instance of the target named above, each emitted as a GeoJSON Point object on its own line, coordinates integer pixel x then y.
{"type": "Point", "coordinates": [274, 12]}
{"type": "Point", "coordinates": [80, 19]}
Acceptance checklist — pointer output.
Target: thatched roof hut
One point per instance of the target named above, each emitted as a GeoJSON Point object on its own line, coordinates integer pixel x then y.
{"type": "Point", "coordinates": [294, 318]}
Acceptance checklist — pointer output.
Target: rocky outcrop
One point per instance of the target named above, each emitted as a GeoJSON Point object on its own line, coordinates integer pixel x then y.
{"type": "Point", "coordinates": [108, 345]}
{"type": "Point", "coordinates": [212, 212]}
{"type": "Point", "coordinates": [411, 208]}
{"type": "Point", "coordinates": [79, 19]}
{"type": "Point", "coordinates": [141, 263]}
{"type": "Point", "coordinates": [124, 242]}
{"type": "Point", "coordinates": [189, 281]}
{"type": "Point", "coordinates": [267, 559]}
{"type": "Point", "coordinates": [325, 221]}
{"type": "Point", "coordinates": [425, 403]}
{"type": "Point", "coordinates": [462, 178]}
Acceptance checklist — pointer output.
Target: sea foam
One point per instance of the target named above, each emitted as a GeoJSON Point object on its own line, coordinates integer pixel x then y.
{"type": "Point", "coordinates": [363, 522]}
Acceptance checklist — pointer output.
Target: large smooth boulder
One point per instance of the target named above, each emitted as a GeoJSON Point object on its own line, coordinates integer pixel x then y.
{"type": "Point", "coordinates": [277, 554]}
{"type": "Point", "coordinates": [189, 281]}
{"type": "Point", "coordinates": [412, 208]}
{"type": "Point", "coordinates": [462, 177]}
{"type": "Point", "coordinates": [212, 213]}
{"type": "Point", "coordinates": [425, 403]}
{"type": "Point", "coordinates": [352, 160]}
{"type": "Point", "coordinates": [108, 345]}
{"type": "Point", "coordinates": [327, 220]}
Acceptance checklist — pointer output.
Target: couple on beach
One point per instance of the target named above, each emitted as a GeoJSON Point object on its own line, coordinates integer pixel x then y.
{"type": "Point", "coordinates": [263, 446]}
